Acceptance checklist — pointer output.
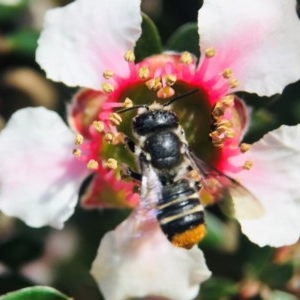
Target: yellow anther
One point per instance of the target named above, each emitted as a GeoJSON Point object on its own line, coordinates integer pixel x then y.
{"type": "Point", "coordinates": [111, 163]}
{"type": "Point", "coordinates": [78, 139]}
{"type": "Point", "coordinates": [129, 56]}
{"type": "Point", "coordinates": [210, 52]}
{"type": "Point", "coordinates": [144, 72]}
{"type": "Point", "coordinates": [170, 79]}
{"type": "Point", "coordinates": [77, 152]}
{"type": "Point", "coordinates": [216, 139]}
{"type": "Point", "coordinates": [98, 126]}
{"type": "Point", "coordinates": [165, 92]}
{"type": "Point", "coordinates": [228, 100]}
{"type": "Point", "coordinates": [107, 74]}
{"type": "Point", "coordinates": [186, 58]}
{"type": "Point", "coordinates": [233, 83]}
{"type": "Point", "coordinates": [248, 165]}
{"type": "Point", "coordinates": [227, 73]}
{"type": "Point", "coordinates": [230, 133]}
{"type": "Point", "coordinates": [225, 123]}
{"type": "Point", "coordinates": [92, 164]}
{"type": "Point", "coordinates": [218, 110]}
{"type": "Point", "coordinates": [127, 103]}
{"type": "Point", "coordinates": [245, 147]}
{"type": "Point", "coordinates": [119, 138]}
{"type": "Point", "coordinates": [107, 87]}
{"type": "Point", "coordinates": [108, 137]}
{"type": "Point", "coordinates": [154, 84]}
{"type": "Point", "coordinates": [115, 118]}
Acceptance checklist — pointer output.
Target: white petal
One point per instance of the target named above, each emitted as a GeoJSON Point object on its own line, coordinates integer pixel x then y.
{"type": "Point", "coordinates": [86, 37]}
{"type": "Point", "coordinates": [137, 260]}
{"type": "Point", "coordinates": [258, 39]}
{"type": "Point", "coordinates": [274, 180]}
{"type": "Point", "coordinates": [39, 177]}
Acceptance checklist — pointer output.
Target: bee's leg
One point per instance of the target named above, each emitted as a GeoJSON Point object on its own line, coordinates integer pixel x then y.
{"type": "Point", "coordinates": [127, 172]}
{"type": "Point", "coordinates": [130, 144]}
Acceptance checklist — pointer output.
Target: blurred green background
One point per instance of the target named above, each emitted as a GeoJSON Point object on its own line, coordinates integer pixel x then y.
{"type": "Point", "coordinates": [62, 259]}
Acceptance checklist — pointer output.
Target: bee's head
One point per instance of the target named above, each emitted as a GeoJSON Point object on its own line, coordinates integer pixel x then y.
{"type": "Point", "coordinates": [154, 120]}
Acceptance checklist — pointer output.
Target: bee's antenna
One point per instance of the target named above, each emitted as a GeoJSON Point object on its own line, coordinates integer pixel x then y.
{"type": "Point", "coordinates": [132, 107]}
{"type": "Point", "coordinates": [180, 97]}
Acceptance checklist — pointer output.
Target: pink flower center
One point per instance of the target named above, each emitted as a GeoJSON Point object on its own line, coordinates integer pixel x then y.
{"type": "Point", "coordinates": [213, 120]}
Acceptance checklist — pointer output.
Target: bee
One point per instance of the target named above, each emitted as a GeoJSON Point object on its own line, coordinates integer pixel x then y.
{"type": "Point", "coordinates": [177, 180]}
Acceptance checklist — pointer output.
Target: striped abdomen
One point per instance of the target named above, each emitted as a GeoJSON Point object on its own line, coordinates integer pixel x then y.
{"type": "Point", "coordinates": [181, 215]}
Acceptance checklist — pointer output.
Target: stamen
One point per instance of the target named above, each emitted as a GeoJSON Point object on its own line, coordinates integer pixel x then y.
{"type": "Point", "coordinates": [111, 163]}
{"type": "Point", "coordinates": [143, 72]}
{"type": "Point", "coordinates": [186, 58]}
{"type": "Point", "coordinates": [129, 56]}
{"type": "Point", "coordinates": [77, 152]}
{"type": "Point", "coordinates": [107, 74]}
{"type": "Point", "coordinates": [227, 73]}
{"type": "Point", "coordinates": [230, 133]}
{"type": "Point", "coordinates": [78, 139]}
{"type": "Point", "coordinates": [107, 87]}
{"type": "Point", "coordinates": [92, 164]}
{"type": "Point", "coordinates": [228, 100]}
{"type": "Point", "coordinates": [98, 126]}
{"type": "Point", "coordinates": [154, 84]}
{"type": "Point", "coordinates": [109, 137]}
{"type": "Point", "coordinates": [170, 79]}
{"type": "Point", "coordinates": [127, 103]}
{"type": "Point", "coordinates": [248, 165]}
{"type": "Point", "coordinates": [115, 118]}
{"type": "Point", "coordinates": [118, 138]}
{"type": "Point", "coordinates": [218, 110]}
{"type": "Point", "coordinates": [210, 52]}
{"type": "Point", "coordinates": [233, 83]}
{"type": "Point", "coordinates": [165, 92]}
{"type": "Point", "coordinates": [245, 147]}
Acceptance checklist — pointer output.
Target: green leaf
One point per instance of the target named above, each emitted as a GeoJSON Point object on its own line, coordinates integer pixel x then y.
{"type": "Point", "coordinates": [149, 42]}
{"type": "Point", "coordinates": [276, 276]}
{"type": "Point", "coordinates": [9, 12]}
{"type": "Point", "coordinates": [185, 38]}
{"type": "Point", "coordinates": [23, 42]}
{"type": "Point", "coordinates": [220, 235]}
{"type": "Point", "coordinates": [218, 288]}
{"type": "Point", "coordinates": [35, 293]}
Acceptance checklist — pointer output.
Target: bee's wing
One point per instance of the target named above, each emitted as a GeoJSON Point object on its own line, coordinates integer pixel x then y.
{"type": "Point", "coordinates": [216, 186]}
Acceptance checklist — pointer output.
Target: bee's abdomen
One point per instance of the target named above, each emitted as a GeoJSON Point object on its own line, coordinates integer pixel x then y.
{"type": "Point", "coordinates": [181, 215]}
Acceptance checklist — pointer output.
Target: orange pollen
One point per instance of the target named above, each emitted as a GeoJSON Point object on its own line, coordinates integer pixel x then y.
{"type": "Point", "coordinates": [189, 238]}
